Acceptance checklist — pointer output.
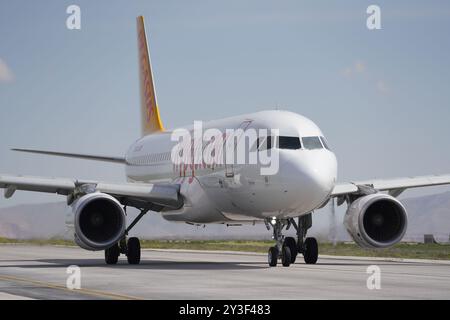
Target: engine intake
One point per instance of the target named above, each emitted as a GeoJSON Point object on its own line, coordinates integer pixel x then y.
{"type": "Point", "coordinates": [376, 221]}
{"type": "Point", "coordinates": [99, 221]}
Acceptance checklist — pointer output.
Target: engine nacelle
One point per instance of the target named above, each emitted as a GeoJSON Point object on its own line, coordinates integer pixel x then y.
{"type": "Point", "coordinates": [376, 221]}
{"type": "Point", "coordinates": [99, 221]}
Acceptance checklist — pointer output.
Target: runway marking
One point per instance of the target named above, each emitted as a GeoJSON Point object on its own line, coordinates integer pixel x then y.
{"type": "Point", "coordinates": [91, 292]}
{"type": "Point", "coordinates": [8, 296]}
{"type": "Point", "coordinates": [385, 267]}
{"type": "Point", "coordinates": [332, 257]}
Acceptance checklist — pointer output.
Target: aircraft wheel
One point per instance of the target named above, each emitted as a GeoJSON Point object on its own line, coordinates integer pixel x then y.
{"type": "Point", "coordinates": [133, 251]}
{"type": "Point", "coordinates": [286, 256]}
{"type": "Point", "coordinates": [112, 254]}
{"type": "Point", "coordinates": [310, 251]}
{"type": "Point", "coordinates": [292, 245]}
{"type": "Point", "coordinates": [272, 256]}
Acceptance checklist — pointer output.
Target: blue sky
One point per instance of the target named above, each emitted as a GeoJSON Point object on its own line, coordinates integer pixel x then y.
{"type": "Point", "coordinates": [381, 97]}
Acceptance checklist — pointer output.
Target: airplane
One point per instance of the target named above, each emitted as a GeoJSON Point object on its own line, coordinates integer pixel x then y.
{"type": "Point", "coordinates": [225, 193]}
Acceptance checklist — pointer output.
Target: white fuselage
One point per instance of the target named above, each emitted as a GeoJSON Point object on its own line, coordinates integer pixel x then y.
{"type": "Point", "coordinates": [239, 192]}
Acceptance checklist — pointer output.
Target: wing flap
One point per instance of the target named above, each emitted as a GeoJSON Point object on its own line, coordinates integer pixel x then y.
{"type": "Point", "coordinates": [164, 194]}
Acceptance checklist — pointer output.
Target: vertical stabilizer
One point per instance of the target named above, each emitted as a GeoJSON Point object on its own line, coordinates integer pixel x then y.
{"type": "Point", "coordinates": [150, 118]}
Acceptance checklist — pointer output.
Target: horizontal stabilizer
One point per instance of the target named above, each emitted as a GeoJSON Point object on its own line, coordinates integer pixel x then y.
{"type": "Point", "coordinates": [75, 155]}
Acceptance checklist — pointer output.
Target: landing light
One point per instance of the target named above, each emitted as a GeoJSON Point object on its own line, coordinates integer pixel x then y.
{"type": "Point", "coordinates": [274, 221]}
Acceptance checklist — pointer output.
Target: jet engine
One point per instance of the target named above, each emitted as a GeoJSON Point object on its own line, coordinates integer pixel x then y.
{"type": "Point", "coordinates": [99, 221]}
{"type": "Point", "coordinates": [376, 221]}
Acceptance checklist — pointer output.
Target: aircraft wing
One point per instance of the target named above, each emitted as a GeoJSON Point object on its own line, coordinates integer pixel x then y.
{"type": "Point", "coordinates": [137, 195]}
{"type": "Point", "coordinates": [393, 186]}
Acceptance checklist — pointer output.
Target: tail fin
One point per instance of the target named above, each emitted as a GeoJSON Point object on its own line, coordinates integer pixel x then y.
{"type": "Point", "coordinates": [151, 121]}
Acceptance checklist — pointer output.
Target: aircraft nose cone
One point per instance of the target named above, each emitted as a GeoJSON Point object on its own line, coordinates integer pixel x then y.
{"type": "Point", "coordinates": [311, 174]}
{"type": "Point", "coordinates": [322, 171]}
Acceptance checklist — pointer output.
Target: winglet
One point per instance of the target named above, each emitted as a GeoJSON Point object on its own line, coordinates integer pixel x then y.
{"type": "Point", "coordinates": [151, 120]}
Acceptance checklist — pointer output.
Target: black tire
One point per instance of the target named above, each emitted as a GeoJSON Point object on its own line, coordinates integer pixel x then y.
{"type": "Point", "coordinates": [292, 245]}
{"type": "Point", "coordinates": [133, 251]}
{"type": "Point", "coordinates": [272, 256]}
{"type": "Point", "coordinates": [112, 254]}
{"type": "Point", "coordinates": [286, 256]}
{"type": "Point", "coordinates": [310, 251]}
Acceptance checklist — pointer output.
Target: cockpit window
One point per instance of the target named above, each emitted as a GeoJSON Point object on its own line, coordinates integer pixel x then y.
{"type": "Point", "coordinates": [325, 143]}
{"type": "Point", "coordinates": [289, 143]}
{"type": "Point", "coordinates": [312, 143]}
{"type": "Point", "coordinates": [264, 143]}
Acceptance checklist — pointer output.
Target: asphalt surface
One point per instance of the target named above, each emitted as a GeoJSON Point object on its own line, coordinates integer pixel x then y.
{"type": "Point", "coordinates": [40, 272]}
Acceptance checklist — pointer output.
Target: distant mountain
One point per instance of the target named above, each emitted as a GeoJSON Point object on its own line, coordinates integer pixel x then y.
{"type": "Point", "coordinates": [48, 220]}
{"type": "Point", "coordinates": [33, 221]}
{"type": "Point", "coordinates": [427, 214]}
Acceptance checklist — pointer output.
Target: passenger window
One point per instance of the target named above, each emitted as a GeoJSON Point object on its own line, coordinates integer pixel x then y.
{"type": "Point", "coordinates": [312, 143]}
{"type": "Point", "coordinates": [289, 143]}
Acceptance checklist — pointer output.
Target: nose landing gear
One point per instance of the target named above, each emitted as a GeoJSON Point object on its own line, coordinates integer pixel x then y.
{"type": "Point", "coordinates": [287, 248]}
{"type": "Point", "coordinates": [279, 250]}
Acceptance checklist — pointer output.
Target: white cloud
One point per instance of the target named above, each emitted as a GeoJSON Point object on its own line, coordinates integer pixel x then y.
{"type": "Point", "coordinates": [358, 70]}
{"type": "Point", "coordinates": [382, 87]}
{"type": "Point", "coordinates": [5, 73]}
{"type": "Point", "coordinates": [358, 67]}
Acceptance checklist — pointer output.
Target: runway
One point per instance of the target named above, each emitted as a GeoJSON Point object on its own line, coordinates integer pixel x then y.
{"type": "Point", "coordinates": [39, 272]}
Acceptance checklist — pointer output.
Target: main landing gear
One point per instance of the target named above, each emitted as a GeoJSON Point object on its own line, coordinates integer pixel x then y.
{"type": "Point", "coordinates": [131, 247]}
{"type": "Point", "coordinates": [287, 248]}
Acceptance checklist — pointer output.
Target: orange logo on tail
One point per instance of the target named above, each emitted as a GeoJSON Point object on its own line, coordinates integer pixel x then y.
{"type": "Point", "coordinates": [150, 113]}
